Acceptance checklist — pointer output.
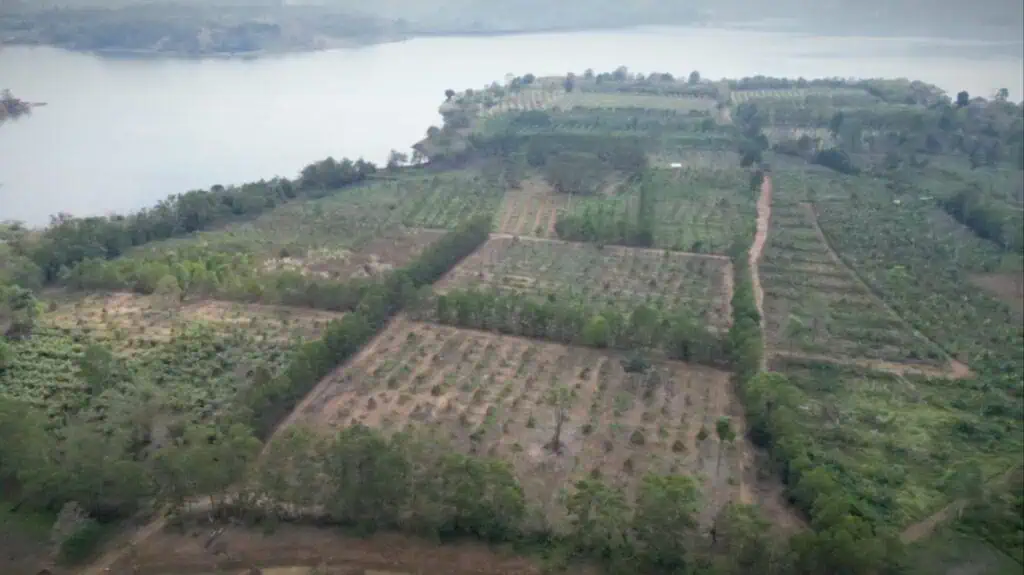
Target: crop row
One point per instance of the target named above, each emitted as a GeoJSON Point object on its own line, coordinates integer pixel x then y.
{"type": "Point", "coordinates": [490, 395]}
{"type": "Point", "coordinates": [608, 275]}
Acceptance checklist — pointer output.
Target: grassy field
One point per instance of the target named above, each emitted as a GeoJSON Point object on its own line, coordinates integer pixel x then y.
{"type": "Point", "coordinates": [614, 275]}
{"type": "Point", "coordinates": [487, 393]}
{"type": "Point", "coordinates": [896, 441]}
{"type": "Point", "coordinates": [814, 304]}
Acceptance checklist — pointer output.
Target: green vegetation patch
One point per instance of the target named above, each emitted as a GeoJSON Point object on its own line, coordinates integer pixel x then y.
{"type": "Point", "coordinates": [896, 444]}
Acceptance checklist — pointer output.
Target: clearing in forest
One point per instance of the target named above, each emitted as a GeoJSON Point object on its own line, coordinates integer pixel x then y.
{"type": "Point", "coordinates": [903, 446]}
{"type": "Point", "coordinates": [531, 210]}
{"type": "Point", "coordinates": [610, 275]}
{"type": "Point", "coordinates": [815, 306]}
{"type": "Point", "coordinates": [489, 394]}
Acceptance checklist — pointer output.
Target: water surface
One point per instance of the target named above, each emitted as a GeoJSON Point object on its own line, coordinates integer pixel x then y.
{"type": "Point", "coordinates": [119, 134]}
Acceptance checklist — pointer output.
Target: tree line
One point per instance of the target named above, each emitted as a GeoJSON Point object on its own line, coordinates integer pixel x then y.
{"type": "Point", "coordinates": [675, 332]}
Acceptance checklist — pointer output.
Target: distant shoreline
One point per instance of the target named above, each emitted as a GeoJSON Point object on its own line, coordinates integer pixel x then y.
{"type": "Point", "coordinates": [789, 26]}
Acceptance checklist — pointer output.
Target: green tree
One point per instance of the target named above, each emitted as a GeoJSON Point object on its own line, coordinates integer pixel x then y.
{"type": "Point", "coordinates": [560, 399]}
{"type": "Point", "coordinates": [369, 479]}
{"type": "Point", "coordinates": [666, 519]}
{"type": "Point", "coordinates": [726, 435]}
{"type": "Point", "coordinates": [596, 332]}
{"type": "Point", "coordinates": [599, 515]}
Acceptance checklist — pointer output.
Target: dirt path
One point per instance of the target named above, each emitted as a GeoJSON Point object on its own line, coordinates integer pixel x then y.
{"type": "Point", "coordinates": [892, 367]}
{"type": "Point", "coordinates": [764, 214]}
{"type": "Point", "coordinates": [956, 369]}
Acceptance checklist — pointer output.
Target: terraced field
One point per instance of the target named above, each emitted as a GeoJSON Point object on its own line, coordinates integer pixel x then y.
{"type": "Point", "coordinates": [488, 394]}
{"type": "Point", "coordinates": [814, 305]}
{"type": "Point", "coordinates": [613, 275]}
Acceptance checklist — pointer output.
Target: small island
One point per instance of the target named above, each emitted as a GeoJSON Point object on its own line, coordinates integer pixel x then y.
{"type": "Point", "coordinates": [11, 107]}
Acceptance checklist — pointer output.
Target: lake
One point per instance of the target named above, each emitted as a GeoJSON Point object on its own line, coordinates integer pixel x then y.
{"type": "Point", "coordinates": [120, 134]}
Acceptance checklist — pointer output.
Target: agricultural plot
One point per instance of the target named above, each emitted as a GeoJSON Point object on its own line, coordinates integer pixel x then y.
{"type": "Point", "coordinates": [900, 445]}
{"type": "Point", "coordinates": [815, 306]}
{"type": "Point", "coordinates": [122, 318]}
{"type": "Point", "coordinates": [363, 231]}
{"type": "Point", "coordinates": [923, 263]}
{"type": "Point", "coordinates": [527, 99]}
{"type": "Point", "coordinates": [531, 210]}
{"type": "Point", "coordinates": [701, 211]}
{"type": "Point", "coordinates": [443, 201]}
{"type": "Point", "coordinates": [695, 159]}
{"type": "Point", "coordinates": [582, 99]}
{"type": "Point", "coordinates": [614, 275]}
{"type": "Point", "coordinates": [740, 96]}
{"type": "Point", "coordinates": [193, 358]}
{"type": "Point", "coordinates": [488, 393]}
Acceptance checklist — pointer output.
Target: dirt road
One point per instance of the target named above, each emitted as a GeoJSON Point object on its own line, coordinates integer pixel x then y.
{"type": "Point", "coordinates": [764, 214]}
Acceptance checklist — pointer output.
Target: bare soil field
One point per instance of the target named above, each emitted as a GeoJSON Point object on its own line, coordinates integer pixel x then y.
{"type": "Point", "coordinates": [392, 249]}
{"type": "Point", "coordinates": [153, 318]}
{"type": "Point", "coordinates": [609, 274]}
{"type": "Point", "coordinates": [1008, 287]}
{"type": "Point", "coordinates": [487, 394]}
{"type": "Point", "coordinates": [531, 210]}
{"type": "Point", "coordinates": [298, 550]}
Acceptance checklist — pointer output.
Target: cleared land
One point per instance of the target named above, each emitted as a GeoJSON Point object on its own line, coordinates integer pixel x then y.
{"type": "Point", "coordinates": [614, 275]}
{"type": "Point", "coordinates": [487, 393]}
{"type": "Point", "coordinates": [531, 210]}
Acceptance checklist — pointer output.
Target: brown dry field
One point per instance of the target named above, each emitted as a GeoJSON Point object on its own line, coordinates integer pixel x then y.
{"type": "Point", "coordinates": [701, 283]}
{"type": "Point", "coordinates": [486, 393]}
{"type": "Point", "coordinates": [297, 550]}
{"type": "Point", "coordinates": [531, 210]}
{"type": "Point", "coordinates": [1009, 287]}
{"type": "Point", "coordinates": [393, 248]}
{"type": "Point", "coordinates": [154, 318]}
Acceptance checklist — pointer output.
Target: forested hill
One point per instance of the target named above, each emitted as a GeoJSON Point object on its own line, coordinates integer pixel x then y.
{"type": "Point", "coordinates": [194, 28]}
